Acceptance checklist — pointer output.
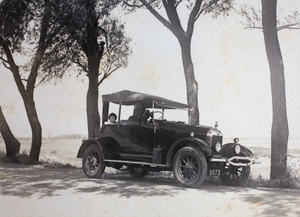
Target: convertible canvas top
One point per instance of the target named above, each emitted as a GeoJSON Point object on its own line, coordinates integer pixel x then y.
{"type": "Point", "coordinates": [127, 97]}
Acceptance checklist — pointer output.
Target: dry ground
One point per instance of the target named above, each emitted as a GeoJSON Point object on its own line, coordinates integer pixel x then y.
{"type": "Point", "coordinates": [61, 191]}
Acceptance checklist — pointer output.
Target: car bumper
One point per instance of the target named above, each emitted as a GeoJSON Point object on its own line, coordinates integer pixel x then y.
{"type": "Point", "coordinates": [238, 161]}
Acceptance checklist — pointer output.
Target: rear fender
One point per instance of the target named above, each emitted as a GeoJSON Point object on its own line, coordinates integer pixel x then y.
{"type": "Point", "coordinates": [198, 143]}
{"type": "Point", "coordinates": [88, 142]}
{"type": "Point", "coordinates": [228, 151]}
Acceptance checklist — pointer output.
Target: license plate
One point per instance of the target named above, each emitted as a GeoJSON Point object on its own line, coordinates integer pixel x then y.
{"type": "Point", "coordinates": [214, 172]}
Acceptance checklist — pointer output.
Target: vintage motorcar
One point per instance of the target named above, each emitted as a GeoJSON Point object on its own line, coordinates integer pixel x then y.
{"type": "Point", "coordinates": [146, 141]}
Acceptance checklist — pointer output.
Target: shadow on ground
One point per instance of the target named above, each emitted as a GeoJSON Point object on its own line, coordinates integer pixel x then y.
{"type": "Point", "coordinates": [25, 181]}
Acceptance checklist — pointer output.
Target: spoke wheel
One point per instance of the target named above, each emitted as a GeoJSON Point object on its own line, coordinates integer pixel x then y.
{"type": "Point", "coordinates": [92, 161]}
{"type": "Point", "coordinates": [235, 176]}
{"type": "Point", "coordinates": [137, 172]}
{"type": "Point", "coordinates": [189, 167]}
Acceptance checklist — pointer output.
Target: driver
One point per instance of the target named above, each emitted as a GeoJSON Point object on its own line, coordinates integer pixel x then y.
{"type": "Point", "coordinates": [137, 112]}
{"type": "Point", "coordinates": [145, 116]}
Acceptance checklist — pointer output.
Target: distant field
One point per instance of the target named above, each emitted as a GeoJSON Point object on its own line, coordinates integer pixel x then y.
{"type": "Point", "coordinates": [64, 150]}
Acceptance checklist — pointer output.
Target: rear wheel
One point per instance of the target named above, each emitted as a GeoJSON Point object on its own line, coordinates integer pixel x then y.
{"type": "Point", "coordinates": [92, 161]}
{"type": "Point", "coordinates": [190, 167]}
{"type": "Point", "coordinates": [137, 172]}
{"type": "Point", "coordinates": [235, 176]}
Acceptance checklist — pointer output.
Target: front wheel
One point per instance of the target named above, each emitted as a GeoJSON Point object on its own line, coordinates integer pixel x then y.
{"type": "Point", "coordinates": [92, 161]}
{"type": "Point", "coordinates": [190, 167]}
{"type": "Point", "coordinates": [235, 176]}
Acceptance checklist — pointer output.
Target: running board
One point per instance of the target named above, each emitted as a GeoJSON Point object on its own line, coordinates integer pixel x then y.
{"type": "Point", "coordinates": [135, 162]}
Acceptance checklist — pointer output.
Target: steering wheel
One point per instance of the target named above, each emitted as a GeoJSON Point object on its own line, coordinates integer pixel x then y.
{"type": "Point", "coordinates": [161, 114]}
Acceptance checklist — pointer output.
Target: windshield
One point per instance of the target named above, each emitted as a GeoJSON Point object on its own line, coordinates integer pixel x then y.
{"type": "Point", "coordinates": [133, 113]}
{"type": "Point", "coordinates": [170, 114]}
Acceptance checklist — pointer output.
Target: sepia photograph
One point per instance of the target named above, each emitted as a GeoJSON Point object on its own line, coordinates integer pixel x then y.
{"type": "Point", "coordinates": [149, 108]}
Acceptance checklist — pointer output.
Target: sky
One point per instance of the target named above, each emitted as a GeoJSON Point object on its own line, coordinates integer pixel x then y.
{"type": "Point", "coordinates": [230, 65]}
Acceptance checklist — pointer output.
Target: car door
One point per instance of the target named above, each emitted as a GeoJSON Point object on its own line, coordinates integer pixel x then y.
{"type": "Point", "coordinates": [141, 139]}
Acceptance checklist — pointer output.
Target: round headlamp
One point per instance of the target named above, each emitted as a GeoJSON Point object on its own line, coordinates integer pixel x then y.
{"type": "Point", "coordinates": [237, 149]}
{"type": "Point", "coordinates": [218, 147]}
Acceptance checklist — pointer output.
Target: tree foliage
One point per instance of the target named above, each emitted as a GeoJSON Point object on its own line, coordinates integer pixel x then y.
{"type": "Point", "coordinates": [99, 47]}
{"type": "Point", "coordinates": [60, 34]}
{"type": "Point", "coordinates": [15, 16]}
{"type": "Point", "coordinates": [108, 34]}
{"type": "Point", "coordinates": [34, 26]}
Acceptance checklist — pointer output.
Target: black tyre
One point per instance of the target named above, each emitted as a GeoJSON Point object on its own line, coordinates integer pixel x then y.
{"type": "Point", "coordinates": [137, 172]}
{"type": "Point", "coordinates": [190, 167]}
{"type": "Point", "coordinates": [235, 176]}
{"type": "Point", "coordinates": [92, 161]}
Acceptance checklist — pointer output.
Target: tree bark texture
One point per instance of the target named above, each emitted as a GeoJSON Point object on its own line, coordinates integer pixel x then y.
{"type": "Point", "coordinates": [92, 109]}
{"type": "Point", "coordinates": [11, 143]}
{"type": "Point", "coordinates": [280, 130]}
{"type": "Point", "coordinates": [94, 54]}
{"type": "Point", "coordinates": [191, 83]}
{"type": "Point", "coordinates": [36, 128]}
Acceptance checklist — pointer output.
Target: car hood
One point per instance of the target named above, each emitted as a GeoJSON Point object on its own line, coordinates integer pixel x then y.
{"type": "Point", "coordinates": [183, 127]}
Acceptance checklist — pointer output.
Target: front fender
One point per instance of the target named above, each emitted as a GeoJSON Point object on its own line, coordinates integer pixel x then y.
{"type": "Point", "coordinates": [228, 151]}
{"type": "Point", "coordinates": [203, 146]}
{"type": "Point", "coordinates": [86, 143]}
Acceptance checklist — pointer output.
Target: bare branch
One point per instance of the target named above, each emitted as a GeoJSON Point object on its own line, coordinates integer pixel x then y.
{"type": "Point", "coordinates": [178, 3]}
{"type": "Point", "coordinates": [4, 60]}
{"type": "Point", "coordinates": [12, 65]}
{"type": "Point", "coordinates": [253, 27]}
{"type": "Point", "coordinates": [172, 13]}
{"type": "Point", "coordinates": [289, 26]}
{"type": "Point", "coordinates": [194, 16]}
{"type": "Point", "coordinates": [6, 66]}
{"type": "Point", "coordinates": [77, 62]}
{"type": "Point", "coordinates": [126, 3]}
{"type": "Point", "coordinates": [105, 34]}
{"type": "Point", "coordinates": [205, 8]}
{"type": "Point", "coordinates": [253, 20]}
{"type": "Point", "coordinates": [107, 75]}
{"type": "Point", "coordinates": [157, 15]}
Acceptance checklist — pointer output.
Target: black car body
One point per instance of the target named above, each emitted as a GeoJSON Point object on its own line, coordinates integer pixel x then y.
{"type": "Point", "coordinates": [146, 141]}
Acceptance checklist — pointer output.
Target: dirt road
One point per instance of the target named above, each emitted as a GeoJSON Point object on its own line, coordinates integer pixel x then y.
{"type": "Point", "coordinates": [39, 191]}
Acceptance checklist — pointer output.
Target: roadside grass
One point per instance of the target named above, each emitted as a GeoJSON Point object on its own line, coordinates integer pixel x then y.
{"type": "Point", "coordinates": [52, 164]}
{"type": "Point", "coordinates": [46, 162]}
{"type": "Point", "coordinates": [4, 159]}
{"type": "Point", "coordinates": [288, 181]}
{"type": "Point", "coordinates": [2, 156]}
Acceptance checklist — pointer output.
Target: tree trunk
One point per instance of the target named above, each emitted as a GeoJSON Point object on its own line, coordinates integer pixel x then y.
{"type": "Point", "coordinates": [280, 131]}
{"type": "Point", "coordinates": [36, 128]}
{"type": "Point", "coordinates": [92, 110]}
{"type": "Point", "coordinates": [191, 83]}
{"type": "Point", "coordinates": [27, 96]}
{"type": "Point", "coordinates": [93, 53]}
{"type": "Point", "coordinates": [11, 143]}
{"type": "Point", "coordinates": [184, 38]}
